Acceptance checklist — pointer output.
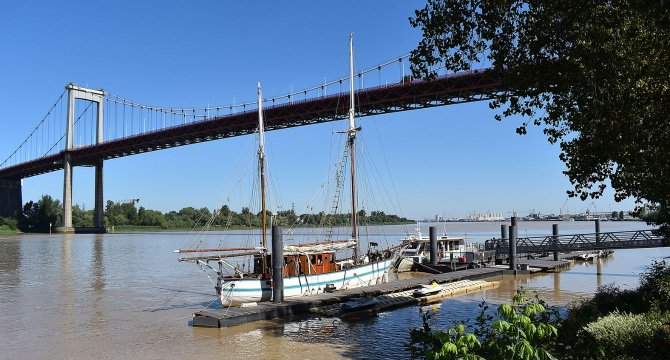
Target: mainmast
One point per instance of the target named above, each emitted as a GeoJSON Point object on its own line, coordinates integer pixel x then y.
{"type": "Point", "coordinates": [352, 140]}
{"type": "Point", "coordinates": [261, 164]}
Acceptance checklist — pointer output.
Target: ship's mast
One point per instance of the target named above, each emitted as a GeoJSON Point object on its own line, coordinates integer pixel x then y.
{"type": "Point", "coordinates": [352, 140]}
{"type": "Point", "coordinates": [261, 164]}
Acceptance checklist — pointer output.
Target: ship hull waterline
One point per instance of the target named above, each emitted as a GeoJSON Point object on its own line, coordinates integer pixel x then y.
{"type": "Point", "coordinates": [235, 292]}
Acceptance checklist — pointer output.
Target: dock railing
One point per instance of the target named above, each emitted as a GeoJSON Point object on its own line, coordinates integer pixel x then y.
{"type": "Point", "coordinates": [577, 242]}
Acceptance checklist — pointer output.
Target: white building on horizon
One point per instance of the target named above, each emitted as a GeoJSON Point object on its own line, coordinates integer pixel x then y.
{"type": "Point", "coordinates": [486, 216]}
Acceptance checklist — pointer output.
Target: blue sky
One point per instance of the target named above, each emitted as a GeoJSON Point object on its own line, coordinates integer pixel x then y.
{"type": "Point", "coordinates": [449, 160]}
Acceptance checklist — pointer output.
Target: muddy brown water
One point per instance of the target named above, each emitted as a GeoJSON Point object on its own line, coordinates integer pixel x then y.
{"type": "Point", "coordinates": [126, 296]}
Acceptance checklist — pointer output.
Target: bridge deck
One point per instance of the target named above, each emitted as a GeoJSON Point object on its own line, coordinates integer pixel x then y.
{"type": "Point", "coordinates": [445, 90]}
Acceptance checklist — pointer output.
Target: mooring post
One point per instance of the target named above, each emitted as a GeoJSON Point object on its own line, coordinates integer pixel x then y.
{"type": "Point", "coordinates": [277, 265]}
{"type": "Point", "coordinates": [597, 232]}
{"type": "Point", "coordinates": [554, 231]}
{"type": "Point", "coordinates": [513, 221]}
{"type": "Point", "coordinates": [433, 245]}
{"type": "Point", "coordinates": [512, 247]}
{"type": "Point", "coordinates": [503, 231]}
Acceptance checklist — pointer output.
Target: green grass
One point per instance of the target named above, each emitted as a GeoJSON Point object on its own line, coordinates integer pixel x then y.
{"type": "Point", "coordinates": [4, 230]}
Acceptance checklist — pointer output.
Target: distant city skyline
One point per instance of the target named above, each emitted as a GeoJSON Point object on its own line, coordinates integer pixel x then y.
{"type": "Point", "coordinates": [450, 160]}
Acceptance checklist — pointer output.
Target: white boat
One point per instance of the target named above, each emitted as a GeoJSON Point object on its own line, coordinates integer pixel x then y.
{"type": "Point", "coordinates": [309, 268]}
{"type": "Point", "coordinates": [359, 304]}
{"type": "Point", "coordinates": [586, 257]}
{"type": "Point", "coordinates": [415, 249]}
{"type": "Point", "coordinates": [425, 290]}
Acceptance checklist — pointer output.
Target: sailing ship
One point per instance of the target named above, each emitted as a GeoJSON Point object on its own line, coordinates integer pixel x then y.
{"type": "Point", "coordinates": [310, 268]}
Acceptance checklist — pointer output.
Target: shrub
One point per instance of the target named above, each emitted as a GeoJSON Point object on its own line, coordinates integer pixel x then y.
{"type": "Point", "coordinates": [655, 285]}
{"type": "Point", "coordinates": [522, 330]}
{"type": "Point", "coordinates": [623, 336]}
{"type": "Point", "coordinates": [8, 224]}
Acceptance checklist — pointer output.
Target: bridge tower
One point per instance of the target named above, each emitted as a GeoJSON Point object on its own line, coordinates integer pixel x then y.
{"type": "Point", "coordinates": [75, 92]}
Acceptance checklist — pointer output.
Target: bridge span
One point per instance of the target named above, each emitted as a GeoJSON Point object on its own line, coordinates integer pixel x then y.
{"type": "Point", "coordinates": [410, 95]}
{"type": "Point", "coordinates": [31, 160]}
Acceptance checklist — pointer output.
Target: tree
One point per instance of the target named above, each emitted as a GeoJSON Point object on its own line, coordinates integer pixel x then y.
{"type": "Point", "coordinates": [592, 75]}
{"type": "Point", "coordinates": [81, 217]}
{"type": "Point", "coordinates": [150, 218]}
{"type": "Point", "coordinates": [41, 216]}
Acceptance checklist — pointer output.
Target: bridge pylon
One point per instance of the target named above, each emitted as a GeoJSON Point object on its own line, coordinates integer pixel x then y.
{"type": "Point", "coordinates": [76, 92]}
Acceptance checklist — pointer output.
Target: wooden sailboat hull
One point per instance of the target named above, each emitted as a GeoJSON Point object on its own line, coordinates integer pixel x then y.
{"type": "Point", "coordinates": [240, 291]}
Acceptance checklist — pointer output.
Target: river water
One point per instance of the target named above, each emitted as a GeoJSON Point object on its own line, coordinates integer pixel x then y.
{"type": "Point", "coordinates": [126, 296]}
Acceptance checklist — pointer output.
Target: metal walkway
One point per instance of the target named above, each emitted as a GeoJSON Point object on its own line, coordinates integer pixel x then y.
{"type": "Point", "coordinates": [577, 242]}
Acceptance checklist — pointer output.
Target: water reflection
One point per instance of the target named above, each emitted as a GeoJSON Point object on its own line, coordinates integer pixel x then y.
{"type": "Point", "coordinates": [98, 265]}
{"type": "Point", "coordinates": [10, 263]}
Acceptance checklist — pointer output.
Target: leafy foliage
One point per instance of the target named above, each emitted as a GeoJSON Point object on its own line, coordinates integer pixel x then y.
{"type": "Point", "coordinates": [655, 286]}
{"type": "Point", "coordinates": [522, 330]}
{"type": "Point", "coordinates": [612, 315]}
{"type": "Point", "coordinates": [36, 217]}
{"type": "Point", "coordinates": [8, 223]}
{"type": "Point", "coordinates": [629, 336]}
{"type": "Point", "coordinates": [592, 74]}
{"type": "Point", "coordinates": [40, 216]}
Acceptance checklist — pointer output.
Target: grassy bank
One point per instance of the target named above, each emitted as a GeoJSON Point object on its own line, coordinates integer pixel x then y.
{"type": "Point", "coordinates": [4, 230]}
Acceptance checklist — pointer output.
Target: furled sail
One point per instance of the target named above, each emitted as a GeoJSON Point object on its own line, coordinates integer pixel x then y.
{"type": "Point", "coordinates": [320, 247]}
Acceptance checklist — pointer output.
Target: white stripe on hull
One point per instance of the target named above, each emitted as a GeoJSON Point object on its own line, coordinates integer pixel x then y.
{"type": "Point", "coordinates": [235, 292]}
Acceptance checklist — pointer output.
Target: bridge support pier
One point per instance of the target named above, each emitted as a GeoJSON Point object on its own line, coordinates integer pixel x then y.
{"type": "Point", "coordinates": [96, 96]}
{"type": "Point", "coordinates": [99, 216]}
{"type": "Point", "coordinates": [11, 200]}
{"type": "Point", "coordinates": [67, 227]}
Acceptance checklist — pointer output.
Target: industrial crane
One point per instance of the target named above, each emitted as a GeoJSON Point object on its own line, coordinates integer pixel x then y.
{"type": "Point", "coordinates": [588, 209]}
{"type": "Point", "coordinates": [128, 201]}
{"type": "Point", "coordinates": [563, 214]}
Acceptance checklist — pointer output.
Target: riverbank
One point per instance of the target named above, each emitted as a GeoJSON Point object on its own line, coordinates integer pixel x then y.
{"type": "Point", "coordinates": [8, 231]}
{"type": "Point", "coordinates": [131, 228]}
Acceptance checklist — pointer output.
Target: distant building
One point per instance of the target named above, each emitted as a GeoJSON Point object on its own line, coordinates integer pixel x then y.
{"type": "Point", "coordinates": [486, 216]}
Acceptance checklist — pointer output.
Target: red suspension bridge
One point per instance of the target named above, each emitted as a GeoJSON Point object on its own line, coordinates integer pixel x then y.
{"type": "Point", "coordinates": [84, 127]}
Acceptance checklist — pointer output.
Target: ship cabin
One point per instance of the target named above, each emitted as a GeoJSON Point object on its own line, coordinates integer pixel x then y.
{"type": "Point", "coordinates": [298, 264]}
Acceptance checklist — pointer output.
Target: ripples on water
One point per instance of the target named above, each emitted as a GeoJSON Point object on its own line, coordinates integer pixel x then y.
{"type": "Point", "coordinates": [126, 296]}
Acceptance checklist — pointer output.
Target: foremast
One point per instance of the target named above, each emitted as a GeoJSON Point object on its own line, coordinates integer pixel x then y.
{"type": "Point", "coordinates": [261, 166]}
{"type": "Point", "coordinates": [352, 142]}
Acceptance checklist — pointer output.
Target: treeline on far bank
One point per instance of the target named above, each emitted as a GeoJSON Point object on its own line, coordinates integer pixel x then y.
{"type": "Point", "coordinates": [47, 212]}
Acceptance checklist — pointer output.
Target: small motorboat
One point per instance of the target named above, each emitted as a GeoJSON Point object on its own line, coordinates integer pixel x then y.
{"type": "Point", "coordinates": [586, 257]}
{"type": "Point", "coordinates": [425, 290]}
{"type": "Point", "coordinates": [359, 304]}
